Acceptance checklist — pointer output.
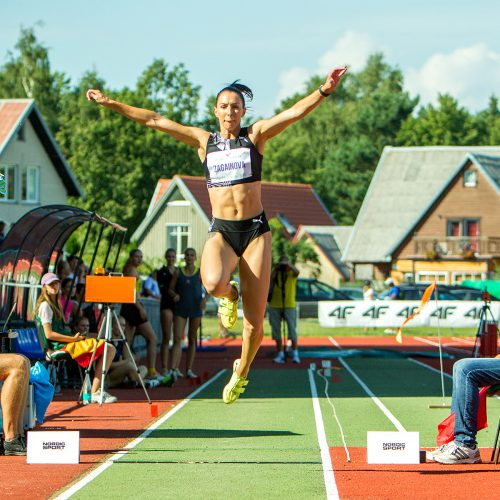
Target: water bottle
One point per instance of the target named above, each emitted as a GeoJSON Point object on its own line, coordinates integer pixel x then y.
{"type": "Point", "coordinates": [87, 391]}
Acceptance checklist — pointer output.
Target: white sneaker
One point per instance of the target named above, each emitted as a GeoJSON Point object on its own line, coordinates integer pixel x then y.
{"type": "Point", "coordinates": [177, 374]}
{"type": "Point", "coordinates": [191, 374]}
{"type": "Point", "coordinates": [458, 453]}
{"type": "Point", "coordinates": [429, 455]}
{"type": "Point", "coordinates": [280, 358]}
{"type": "Point", "coordinates": [295, 356]}
{"type": "Point", "coordinates": [106, 397]}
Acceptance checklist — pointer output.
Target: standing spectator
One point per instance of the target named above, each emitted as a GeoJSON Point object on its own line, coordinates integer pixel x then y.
{"type": "Point", "coordinates": [150, 287]}
{"type": "Point", "coordinates": [63, 270]}
{"type": "Point", "coordinates": [69, 306]}
{"type": "Point", "coordinates": [187, 291]}
{"type": "Point", "coordinates": [394, 290]}
{"type": "Point", "coordinates": [283, 307]}
{"type": "Point", "coordinates": [136, 317]}
{"type": "Point", "coordinates": [164, 277]}
{"type": "Point", "coordinates": [15, 375]}
{"type": "Point", "coordinates": [368, 293]}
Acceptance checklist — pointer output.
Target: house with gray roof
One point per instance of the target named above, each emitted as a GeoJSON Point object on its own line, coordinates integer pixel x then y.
{"type": "Point", "coordinates": [429, 213]}
{"type": "Point", "coordinates": [329, 242]}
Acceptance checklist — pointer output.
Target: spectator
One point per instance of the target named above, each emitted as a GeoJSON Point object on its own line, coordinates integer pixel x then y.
{"type": "Point", "coordinates": [164, 276]}
{"type": "Point", "coordinates": [63, 270]}
{"type": "Point", "coordinates": [15, 374]}
{"type": "Point", "coordinates": [368, 293]}
{"type": "Point", "coordinates": [187, 292]}
{"type": "Point", "coordinates": [69, 306]}
{"type": "Point", "coordinates": [49, 315]}
{"type": "Point", "coordinates": [122, 370]}
{"type": "Point", "coordinates": [136, 317]}
{"type": "Point", "coordinates": [468, 376]}
{"type": "Point", "coordinates": [282, 307]}
{"type": "Point", "coordinates": [394, 290]}
{"type": "Point", "coordinates": [150, 287]}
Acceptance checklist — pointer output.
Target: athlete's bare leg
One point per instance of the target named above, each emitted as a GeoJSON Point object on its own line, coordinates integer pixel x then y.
{"type": "Point", "coordinates": [218, 261]}
{"type": "Point", "coordinates": [255, 273]}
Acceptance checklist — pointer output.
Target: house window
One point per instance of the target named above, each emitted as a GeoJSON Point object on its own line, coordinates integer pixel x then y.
{"type": "Point", "coordinates": [454, 228]}
{"type": "Point", "coordinates": [470, 178]}
{"type": "Point", "coordinates": [458, 277]}
{"type": "Point", "coordinates": [8, 174]}
{"type": "Point", "coordinates": [20, 133]}
{"type": "Point", "coordinates": [178, 237]}
{"type": "Point", "coordinates": [430, 277]}
{"type": "Point", "coordinates": [30, 184]}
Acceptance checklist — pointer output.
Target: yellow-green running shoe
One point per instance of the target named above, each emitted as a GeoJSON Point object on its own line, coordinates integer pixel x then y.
{"type": "Point", "coordinates": [235, 386]}
{"type": "Point", "coordinates": [228, 309]}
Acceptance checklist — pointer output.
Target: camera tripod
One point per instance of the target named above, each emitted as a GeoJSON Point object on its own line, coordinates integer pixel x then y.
{"type": "Point", "coordinates": [106, 334]}
{"type": "Point", "coordinates": [485, 317]}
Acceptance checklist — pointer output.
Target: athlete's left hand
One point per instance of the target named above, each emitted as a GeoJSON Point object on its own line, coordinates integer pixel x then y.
{"type": "Point", "coordinates": [333, 79]}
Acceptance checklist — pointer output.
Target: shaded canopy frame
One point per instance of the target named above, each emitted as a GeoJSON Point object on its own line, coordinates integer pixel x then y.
{"type": "Point", "coordinates": [35, 244]}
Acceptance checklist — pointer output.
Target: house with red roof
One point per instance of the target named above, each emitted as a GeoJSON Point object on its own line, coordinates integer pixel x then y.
{"type": "Point", "coordinates": [179, 214]}
{"type": "Point", "coordinates": [32, 166]}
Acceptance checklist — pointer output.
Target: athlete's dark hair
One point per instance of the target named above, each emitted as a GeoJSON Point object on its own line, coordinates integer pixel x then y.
{"type": "Point", "coordinates": [240, 89]}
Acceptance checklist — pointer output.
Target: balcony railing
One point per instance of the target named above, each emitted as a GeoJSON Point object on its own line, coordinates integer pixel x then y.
{"type": "Point", "coordinates": [453, 246]}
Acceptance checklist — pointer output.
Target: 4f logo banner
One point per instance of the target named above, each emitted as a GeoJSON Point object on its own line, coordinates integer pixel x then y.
{"type": "Point", "coordinates": [3, 184]}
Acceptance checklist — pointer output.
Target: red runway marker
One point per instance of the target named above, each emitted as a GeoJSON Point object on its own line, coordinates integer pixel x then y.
{"type": "Point", "coordinates": [154, 410]}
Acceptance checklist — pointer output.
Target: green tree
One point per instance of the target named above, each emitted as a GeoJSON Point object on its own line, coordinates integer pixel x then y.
{"type": "Point", "coordinates": [297, 252]}
{"type": "Point", "coordinates": [447, 124]}
{"type": "Point", "coordinates": [119, 161]}
{"type": "Point", "coordinates": [337, 146]}
{"type": "Point", "coordinates": [27, 74]}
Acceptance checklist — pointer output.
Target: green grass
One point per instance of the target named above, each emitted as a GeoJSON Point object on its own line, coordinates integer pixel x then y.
{"type": "Point", "coordinates": [311, 328]}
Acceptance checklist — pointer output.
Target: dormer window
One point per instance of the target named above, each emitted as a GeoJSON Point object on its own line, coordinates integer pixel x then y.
{"type": "Point", "coordinates": [470, 178]}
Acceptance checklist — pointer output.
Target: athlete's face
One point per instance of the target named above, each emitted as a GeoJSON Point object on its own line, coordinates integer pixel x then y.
{"type": "Point", "coordinates": [229, 111]}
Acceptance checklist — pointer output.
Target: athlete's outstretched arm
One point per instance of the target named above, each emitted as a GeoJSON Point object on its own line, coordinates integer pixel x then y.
{"type": "Point", "coordinates": [191, 136]}
{"type": "Point", "coordinates": [265, 129]}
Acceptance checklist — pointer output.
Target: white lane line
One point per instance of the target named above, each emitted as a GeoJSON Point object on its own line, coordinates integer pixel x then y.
{"type": "Point", "coordinates": [445, 346]}
{"type": "Point", "coordinates": [464, 341]}
{"type": "Point", "coordinates": [328, 473]}
{"type": "Point", "coordinates": [368, 391]}
{"type": "Point", "coordinates": [96, 472]}
{"type": "Point", "coordinates": [429, 367]}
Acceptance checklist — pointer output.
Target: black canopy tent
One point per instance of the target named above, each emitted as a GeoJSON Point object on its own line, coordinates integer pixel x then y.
{"type": "Point", "coordinates": [34, 245]}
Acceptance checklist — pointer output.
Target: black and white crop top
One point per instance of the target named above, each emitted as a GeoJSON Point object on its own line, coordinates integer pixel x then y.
{"type": "Point", "coordinates": [232, 161]}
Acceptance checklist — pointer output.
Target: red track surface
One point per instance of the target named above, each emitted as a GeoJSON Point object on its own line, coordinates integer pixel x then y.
{"type": "Point", "coordinates": [109, 428]}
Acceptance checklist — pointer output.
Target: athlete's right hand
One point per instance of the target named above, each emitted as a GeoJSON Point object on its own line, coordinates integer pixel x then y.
{"type": "Point", "coordinates": [96, 95]}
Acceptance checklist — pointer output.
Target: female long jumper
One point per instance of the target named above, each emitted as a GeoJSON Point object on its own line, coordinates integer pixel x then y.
{"type": "Point", "coordinates": [232, 159]}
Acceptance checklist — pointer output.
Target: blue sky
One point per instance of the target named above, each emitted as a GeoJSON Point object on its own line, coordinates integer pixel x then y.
{"type": "Point", "coordinates": [272, 46]}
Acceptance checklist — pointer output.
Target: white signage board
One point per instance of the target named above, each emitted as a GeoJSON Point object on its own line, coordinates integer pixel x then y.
{"type": "Point", "coordinates": [53, 447]}
{"type": "Point", "coordinates": [393, 448]}
{"type": "Point", "coordinates": [392, 313]}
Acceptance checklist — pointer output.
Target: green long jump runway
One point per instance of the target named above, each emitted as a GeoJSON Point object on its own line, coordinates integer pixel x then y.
{"type": "Point", "coordinates": [263, 446]}
{"type": "Point", "coordinates": [266, 444]}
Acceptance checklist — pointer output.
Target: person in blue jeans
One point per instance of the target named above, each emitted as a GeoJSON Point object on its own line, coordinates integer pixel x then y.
{"type": "Point", "coordinates": [469, 375]}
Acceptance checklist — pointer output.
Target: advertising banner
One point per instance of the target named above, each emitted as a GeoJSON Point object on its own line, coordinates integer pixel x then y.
{"type": "Point", "coordinates": [392, 313]}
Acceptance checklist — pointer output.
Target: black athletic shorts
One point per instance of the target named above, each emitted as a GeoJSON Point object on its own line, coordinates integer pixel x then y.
{"type": "Point", "coordinates": [239, 233]}
{"type": "Point", "coordinates": [132, 314]}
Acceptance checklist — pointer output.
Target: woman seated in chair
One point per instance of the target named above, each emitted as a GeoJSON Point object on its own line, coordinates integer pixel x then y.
{"type": "Point", "coordinates": [59, 339]}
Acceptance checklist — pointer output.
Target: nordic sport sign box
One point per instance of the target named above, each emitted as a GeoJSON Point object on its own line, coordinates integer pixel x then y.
{"type": "Point", "coordinates": [393, 448]}
{"type": "Point", "coordinates": [53, 447]}
{"type": "Point", "coordinates": [110, 289]}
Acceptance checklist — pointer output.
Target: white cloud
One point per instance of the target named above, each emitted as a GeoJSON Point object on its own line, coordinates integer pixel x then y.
{"type": "Point", "coordinates": [351, 48]}
{"type": "Point", "coordinates": [470, 74]}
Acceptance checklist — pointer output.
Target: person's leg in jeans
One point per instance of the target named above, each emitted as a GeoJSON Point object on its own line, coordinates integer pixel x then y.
{"type": "Point", "coordinates": [469, 375]}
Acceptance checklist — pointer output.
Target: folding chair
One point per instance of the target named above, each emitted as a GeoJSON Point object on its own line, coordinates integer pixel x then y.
{"type": "Point", "coordinates": [495, 453]}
